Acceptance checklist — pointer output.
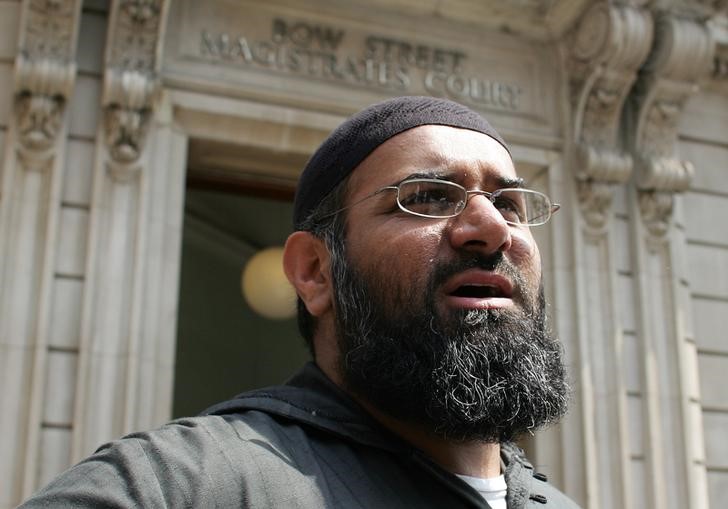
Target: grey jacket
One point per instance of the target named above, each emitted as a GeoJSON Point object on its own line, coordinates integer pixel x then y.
{"type": "Point", "coordinates": [304, 444]}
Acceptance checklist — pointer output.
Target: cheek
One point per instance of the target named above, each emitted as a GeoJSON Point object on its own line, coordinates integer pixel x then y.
{"type": "Point", "coordinates": [404, 253]}
{"type": "Point", "coordinates": [524, 254]}
{"type": "Point", "coordinates": [418, 245]}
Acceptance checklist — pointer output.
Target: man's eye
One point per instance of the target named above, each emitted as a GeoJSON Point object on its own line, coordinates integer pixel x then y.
{"type": "Point", "coordinates": [425, 196]}
{"type": "Point", "coordinates": [430, 201]}
{"type": "Point", "coordinates": [511, 209]}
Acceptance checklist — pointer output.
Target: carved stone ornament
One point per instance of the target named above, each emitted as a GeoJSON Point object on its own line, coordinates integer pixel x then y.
{"type": "Point", "coordinates": [682, 56]}
{"type": "Point", "coordinates": [607, 49]}
{"type": "Point", "coordinates": [720, 62]}
{"type": "Point", "coordinates": [595, 190]}
{"type": "Point", "coordinates": [131, 83]}
{"type": "Point", "coordinates": [49, 28]}
{"type": "Point", "coordinates": [127, 117]}
{"type": "Point", "coordinates": [44, 70]}
{"type": "Point", "coordinates": [698, 10]}
{"type": "Point", "coordinates": [656, 209]}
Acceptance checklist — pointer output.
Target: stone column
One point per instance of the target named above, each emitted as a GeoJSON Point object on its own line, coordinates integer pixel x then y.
{"type": "Point", "coordinates": [672, 432]}
{"type": "Point", "coordinates": [129, 309]}
{"type": "Point", "coordinates": [605, 51]}
{"type": "Point", "coordinates": [29, 214]}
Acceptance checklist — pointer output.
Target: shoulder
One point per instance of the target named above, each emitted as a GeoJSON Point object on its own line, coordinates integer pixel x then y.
{"type": "Point", "coordinates": [208, 448]}
{"type": "Point", "coordinates": [184, 463]}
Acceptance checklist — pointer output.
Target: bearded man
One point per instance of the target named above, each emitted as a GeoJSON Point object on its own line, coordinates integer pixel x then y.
{"type": "Point", "coordinates": [420, 296]}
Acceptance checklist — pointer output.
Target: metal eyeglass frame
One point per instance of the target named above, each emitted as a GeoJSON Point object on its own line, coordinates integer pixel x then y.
{"type": "Point", "coordinates": [551, 208]}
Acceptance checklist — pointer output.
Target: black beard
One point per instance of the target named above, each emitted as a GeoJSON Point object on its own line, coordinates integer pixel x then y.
{"type": "Point", "coordinates": [484, 375]}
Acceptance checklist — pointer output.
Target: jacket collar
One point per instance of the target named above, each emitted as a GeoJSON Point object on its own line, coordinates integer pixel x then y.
{"type": "Point", "coordinates": [309, 398]}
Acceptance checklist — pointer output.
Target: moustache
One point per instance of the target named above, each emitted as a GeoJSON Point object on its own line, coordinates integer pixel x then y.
{"type": "Point", "coordinates": [495, 262]}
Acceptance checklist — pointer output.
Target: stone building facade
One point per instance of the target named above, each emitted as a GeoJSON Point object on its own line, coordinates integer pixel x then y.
{"type": "Point", "coordinates": [616, 108]}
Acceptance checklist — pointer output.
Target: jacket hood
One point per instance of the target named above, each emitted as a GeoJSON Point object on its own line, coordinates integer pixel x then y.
{"type": "Point", "coordinates": [310, 398]}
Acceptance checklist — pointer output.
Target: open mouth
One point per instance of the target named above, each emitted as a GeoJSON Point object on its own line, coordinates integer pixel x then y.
{"type": "Point", "coordinates": [478, 291]}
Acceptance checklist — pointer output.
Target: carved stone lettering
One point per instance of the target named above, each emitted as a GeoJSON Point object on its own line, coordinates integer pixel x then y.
{"type": "Point", "coordinates": [306, 35]}
{"type": "Point", "coordinates": [325, 52]}
{"type": "Point", "coordinates": [407, 54]}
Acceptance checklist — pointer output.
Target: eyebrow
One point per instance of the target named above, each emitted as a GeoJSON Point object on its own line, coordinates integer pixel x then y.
{"type": "Point", "coordinates": [428, 174]}
{"type": "Point", "coordinates": [500, 181]}
{"type": "Point", "coordinates": [508, 182]}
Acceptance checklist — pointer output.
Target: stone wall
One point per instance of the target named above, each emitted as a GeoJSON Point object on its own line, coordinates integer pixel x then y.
{"type": "Point", "coordinates": [69, 271]}
{"type": "Point", "coordinates": [704, 139]}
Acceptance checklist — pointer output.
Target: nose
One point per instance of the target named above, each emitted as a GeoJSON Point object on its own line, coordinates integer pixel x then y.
{"type": "Point", "coordinates": [480, 227]}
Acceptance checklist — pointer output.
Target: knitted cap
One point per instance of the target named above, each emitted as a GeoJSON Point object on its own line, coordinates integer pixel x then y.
{"type": "Point", "coordinates": [356, 138]}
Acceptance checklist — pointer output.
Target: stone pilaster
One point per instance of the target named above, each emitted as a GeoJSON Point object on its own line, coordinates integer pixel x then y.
{"type": "Point", "coordinates": [31, 172]}
{"type": "Point", "coordinates": [681, 57]}
{"type": "Point", "coordinates": [126, 357]}
{"type": "Point", "coordinates": [606, 50]}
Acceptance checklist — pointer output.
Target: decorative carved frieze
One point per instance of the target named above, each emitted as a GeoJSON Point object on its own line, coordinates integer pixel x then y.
{"type": "Point", "coordinates": [607, 49]}
{"type": "Point", "coordinates": [49, 28]}
{"type": "Point", "coordinates": [131, 83]}
{"type": "Point", "coordinates": [44, 70]}
{"type": "Point", "coordinates": [681, 57]}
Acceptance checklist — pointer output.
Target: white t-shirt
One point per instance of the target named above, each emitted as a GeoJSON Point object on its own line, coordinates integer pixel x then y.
{"type": "Point", "coordinates": [493, 489]}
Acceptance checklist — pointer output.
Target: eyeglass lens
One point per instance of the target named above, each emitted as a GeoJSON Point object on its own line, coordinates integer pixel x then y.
{"type": "Point", "coordinates": [433, 198]}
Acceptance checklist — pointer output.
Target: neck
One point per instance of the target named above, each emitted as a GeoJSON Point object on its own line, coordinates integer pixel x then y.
{"type": "Point", "coordinates": [475, 459]}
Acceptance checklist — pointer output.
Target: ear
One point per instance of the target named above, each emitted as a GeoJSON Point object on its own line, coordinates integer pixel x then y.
{"type": "Point", "coordinates": [306, 264]}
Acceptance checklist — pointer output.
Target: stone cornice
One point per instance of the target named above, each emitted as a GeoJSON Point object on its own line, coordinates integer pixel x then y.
{"type": "Point", "coordinates": [44, 70]}
{"type": "Point", "coordinates": [131, 82]}
{"type": "Point", "coordinates": [607, 49]}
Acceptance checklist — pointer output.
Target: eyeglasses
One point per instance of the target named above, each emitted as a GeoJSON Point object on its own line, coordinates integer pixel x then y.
{"type": "Point", "coordinates": [437, 199]}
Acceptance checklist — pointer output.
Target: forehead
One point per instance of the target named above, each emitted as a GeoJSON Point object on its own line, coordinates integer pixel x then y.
{"type": "Point", "coordinates": [469, 157]}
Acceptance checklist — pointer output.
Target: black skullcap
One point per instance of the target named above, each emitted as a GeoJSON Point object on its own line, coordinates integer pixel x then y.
{"type": "Point", "coordinates": [356, 138]}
